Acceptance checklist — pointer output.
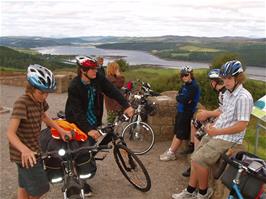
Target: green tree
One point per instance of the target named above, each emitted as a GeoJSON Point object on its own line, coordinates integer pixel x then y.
{"type": "Point", "coordinates": [223, 58]}
{"type": "Point", "coordinates": [123, 64]}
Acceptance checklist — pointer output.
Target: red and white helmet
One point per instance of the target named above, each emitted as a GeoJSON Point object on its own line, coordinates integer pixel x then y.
{"type": "Point", "coordinates": [86, 62]}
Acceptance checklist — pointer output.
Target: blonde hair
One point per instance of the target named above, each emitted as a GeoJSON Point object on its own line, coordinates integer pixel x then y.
{"type": "Point", "coordinates": [112, 67]}
{"type": "Point", "coordinates": [240, 78]}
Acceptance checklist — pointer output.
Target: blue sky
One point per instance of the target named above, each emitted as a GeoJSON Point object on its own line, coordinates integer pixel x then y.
{"type": "Point", "coordinates": [210, 18]}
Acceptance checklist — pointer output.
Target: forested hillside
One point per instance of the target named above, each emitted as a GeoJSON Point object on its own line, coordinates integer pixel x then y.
{"type": "Point", "coordinates": [10, 58]}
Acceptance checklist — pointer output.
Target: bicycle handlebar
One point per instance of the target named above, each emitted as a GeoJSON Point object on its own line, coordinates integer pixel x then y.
{"type": "Point", "coordinates": [89, 148]}
{"type": "Point", "coordinates": [237, 164]}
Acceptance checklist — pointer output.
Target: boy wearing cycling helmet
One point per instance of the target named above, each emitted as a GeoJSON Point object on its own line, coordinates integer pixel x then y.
{"type": "Point", "coordinates": [204, 116]}
{"type": "Point", "coordinates": [187, 100]}
{"type": "Point", "coordinates": [24, 129]}
{"type": "Point", "coordinates": [229, 129]}
{"type": "Point", "coordinates": [84, 106]}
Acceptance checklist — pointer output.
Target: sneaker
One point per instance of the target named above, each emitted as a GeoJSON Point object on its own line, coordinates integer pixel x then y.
{"type": "Point", "coordinates": [184, 195]}
{"type": "Point", "coordinates": [186, 173]}
{"type": "Point", "coordinates": [207, 195]}
{"type": "Point", "coordinates": [167, 155]}
{"type": "Point", "coordinates": [87, 190]}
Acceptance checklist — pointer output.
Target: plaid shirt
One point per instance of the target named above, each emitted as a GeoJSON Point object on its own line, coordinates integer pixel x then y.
{"type": "Point", "coordinates": [237, 106]}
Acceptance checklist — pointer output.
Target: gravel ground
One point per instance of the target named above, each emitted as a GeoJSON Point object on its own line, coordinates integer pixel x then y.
{"type": "Point", "coordinates": [108, 183]}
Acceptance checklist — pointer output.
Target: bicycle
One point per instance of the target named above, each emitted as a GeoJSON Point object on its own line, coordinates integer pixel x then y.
{"type": "Point", "coordinates": [73, 175]}
{"type": "Point", "coordinates": [245, 175]}
{"type": "Point", "coordinates": [139, 135]}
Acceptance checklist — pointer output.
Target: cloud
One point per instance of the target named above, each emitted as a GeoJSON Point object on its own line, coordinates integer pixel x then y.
{"type": "Point", "coordinates": [133, 18]}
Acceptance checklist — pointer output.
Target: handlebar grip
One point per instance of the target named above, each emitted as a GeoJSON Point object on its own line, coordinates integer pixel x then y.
{"type": "Point", "coordinates": [67, 138]}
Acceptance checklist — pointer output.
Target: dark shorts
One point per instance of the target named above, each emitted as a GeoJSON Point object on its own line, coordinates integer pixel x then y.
{"type": "Point", "coordinates": [183, 125]}
{"type": "Point", "coordinates": [33, 180]}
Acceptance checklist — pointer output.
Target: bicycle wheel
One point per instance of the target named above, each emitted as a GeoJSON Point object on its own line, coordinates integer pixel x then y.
{"type": "Point", "coordinates": [139, 137]}
{"type": "Point", "coordinates": [132, 168]}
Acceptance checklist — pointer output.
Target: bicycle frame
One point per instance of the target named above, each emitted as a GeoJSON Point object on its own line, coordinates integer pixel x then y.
{"type": "Point", "coordinates": [235, 185]}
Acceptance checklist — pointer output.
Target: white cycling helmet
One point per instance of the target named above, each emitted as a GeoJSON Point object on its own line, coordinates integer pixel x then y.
{"type": "Point", "coordinates": [186, 70]}
{"type": "Point", "coordinates": [41, 78]}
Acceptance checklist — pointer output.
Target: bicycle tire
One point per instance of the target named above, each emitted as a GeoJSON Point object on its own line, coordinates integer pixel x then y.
{"type": "Point", "coordinates": [139, 137]}
{"type": "Point", "coordinates": [132, 168]}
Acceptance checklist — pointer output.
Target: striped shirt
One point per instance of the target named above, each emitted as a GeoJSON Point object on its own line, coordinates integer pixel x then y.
{"type": "Point", "coordinates": [237, 106]}
{"type": "Point", "coordinates": [30, 115]}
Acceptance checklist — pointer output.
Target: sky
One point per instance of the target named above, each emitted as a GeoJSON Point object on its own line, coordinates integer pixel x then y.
{"type": "Point", "coordinates": [208, 18]}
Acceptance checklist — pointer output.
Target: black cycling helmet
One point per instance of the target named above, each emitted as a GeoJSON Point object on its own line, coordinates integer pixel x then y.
{"type": "Point", "coordinates": [41, 78]}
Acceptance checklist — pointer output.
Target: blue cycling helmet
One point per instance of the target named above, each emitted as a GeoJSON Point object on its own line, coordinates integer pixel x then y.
{"type": "Point", "coordinates": [231, 68]}
{"type": "Point", "coordinates": [41, 78]}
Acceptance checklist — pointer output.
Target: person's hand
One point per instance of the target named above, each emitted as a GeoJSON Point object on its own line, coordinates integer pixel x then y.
{"type": "Point", "coordinates": [211, 130]}
{"type": "Point", "coordinates": [63, 134]}
{"type": "Point", "coordinates": [94, 134]}
{"type": "Point", "coordinates": [28, 158]}
{"type": "Point", "coordinates": [202, 115]}
{"type": "Point", "coordinates": [129, 111]}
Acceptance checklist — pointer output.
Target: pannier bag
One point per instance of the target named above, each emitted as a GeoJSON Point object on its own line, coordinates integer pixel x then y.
{"type": "Point", "coordinates": [250, 186]}
{"type": "Point", "coordinates": [53, 168]}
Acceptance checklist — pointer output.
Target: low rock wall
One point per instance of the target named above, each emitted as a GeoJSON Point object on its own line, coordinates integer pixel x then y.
{"type": "Point", "coordinates": [163, 121]}
{"type": "Point", "coordinates": [62, 81]}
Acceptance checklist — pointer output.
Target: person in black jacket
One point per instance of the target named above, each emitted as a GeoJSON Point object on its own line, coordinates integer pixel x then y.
{"type": "Point", "coordinates": [84, 106]}
{"type": "Point", "coordinates": [187, 100]}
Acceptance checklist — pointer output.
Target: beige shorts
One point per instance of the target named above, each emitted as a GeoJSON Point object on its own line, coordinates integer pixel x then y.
{"type": "Point", "coordinates": [209, 151]}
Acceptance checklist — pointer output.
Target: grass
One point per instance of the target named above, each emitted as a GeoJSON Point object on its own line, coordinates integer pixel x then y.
{"type": "Point", "coordinates": [191, 48]}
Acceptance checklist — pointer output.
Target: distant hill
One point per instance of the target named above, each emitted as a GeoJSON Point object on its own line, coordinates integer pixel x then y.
{"type": "Point", "coordinates": [188, 48]}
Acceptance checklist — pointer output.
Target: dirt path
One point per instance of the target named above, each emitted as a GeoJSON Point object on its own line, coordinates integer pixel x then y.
{"type": "Point", "coordinates": [108, 182]}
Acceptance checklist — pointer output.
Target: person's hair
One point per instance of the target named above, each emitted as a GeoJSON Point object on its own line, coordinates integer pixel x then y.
{"type": "Point", "coordinates": [99, 58]}
{"type": "Point", "coordinates": [29, 88]}
{"type": "Point", "coordinates": [192, 75]}
{"type": "Point", "coordinates": [79, 71]}
{"type": "Point", "coordinates": [240, 78]}
{"type": "Point", "coordinates": [112, 68]}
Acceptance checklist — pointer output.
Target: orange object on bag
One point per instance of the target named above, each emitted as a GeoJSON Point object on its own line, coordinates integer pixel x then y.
{"type": "Point", "coordinates": [79, 134]}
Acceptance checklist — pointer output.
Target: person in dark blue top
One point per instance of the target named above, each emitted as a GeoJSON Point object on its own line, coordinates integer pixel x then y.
{"type": "Point", "coordinates": [187, 100]}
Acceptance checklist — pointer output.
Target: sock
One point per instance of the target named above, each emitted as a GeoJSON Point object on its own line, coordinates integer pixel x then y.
{"type": "Point", "coordinates": [191, 144]}
{"type": "Point", "coordinates": [203, 191]}
{"type": "Point", "coordinates": [170, 151]}
{"type": "Point", "coordinates": [191, 189]}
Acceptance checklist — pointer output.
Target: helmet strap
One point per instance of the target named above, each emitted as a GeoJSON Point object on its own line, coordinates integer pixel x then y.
{"type": "Point", "coordinates": [236, 84]}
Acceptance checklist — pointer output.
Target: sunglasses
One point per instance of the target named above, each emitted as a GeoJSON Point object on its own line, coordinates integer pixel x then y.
{"type": "Point", "coordinates": [184, 75]}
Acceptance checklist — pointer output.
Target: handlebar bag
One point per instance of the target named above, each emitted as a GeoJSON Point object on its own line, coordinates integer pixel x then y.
{"type": "Point", "coordinates": [79, 134]}
{"type": "Point", "coordinates": [250, 186]}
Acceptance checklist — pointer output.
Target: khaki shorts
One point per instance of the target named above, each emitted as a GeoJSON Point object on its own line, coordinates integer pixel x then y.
{"type": "Point", "coordinates": [209, 151]}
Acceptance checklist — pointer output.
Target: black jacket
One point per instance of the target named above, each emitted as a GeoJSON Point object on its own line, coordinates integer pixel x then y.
{"type": "Point", "coordinates": [77, 101]}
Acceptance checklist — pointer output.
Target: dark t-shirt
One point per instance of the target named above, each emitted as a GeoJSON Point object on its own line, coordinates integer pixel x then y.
{"type": "Point", "coordinates": [30, 115]}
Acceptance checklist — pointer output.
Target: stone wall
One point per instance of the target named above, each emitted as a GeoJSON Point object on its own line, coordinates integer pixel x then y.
{"type": "Point", "coordinates": [62, 81]}
{"type": "Point", "coordinates": [163, 121]}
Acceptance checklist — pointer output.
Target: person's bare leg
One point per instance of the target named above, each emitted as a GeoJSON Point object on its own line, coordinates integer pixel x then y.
{"type": "Point", "coordinates": [202, 175]}
{"type": "Point", "coordinates": [193, 178]}
{"type": "Point", "coordinates": [193, 131]}
{"type": "Point", "coordinates": [22, 194]}
{"type": "Point", "coordinates": [175, 144]}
